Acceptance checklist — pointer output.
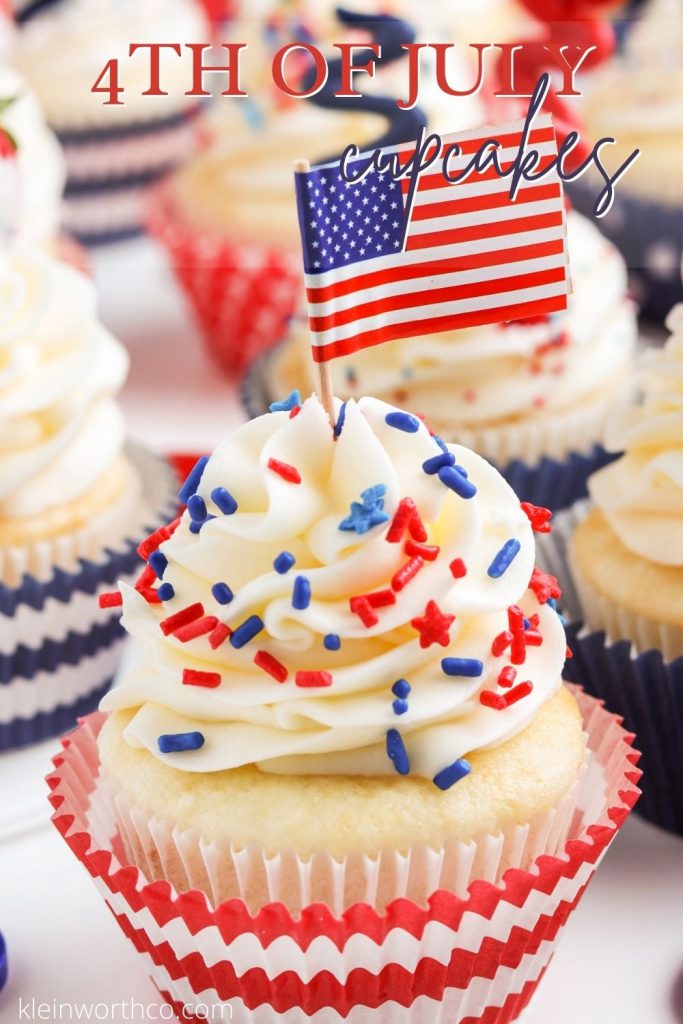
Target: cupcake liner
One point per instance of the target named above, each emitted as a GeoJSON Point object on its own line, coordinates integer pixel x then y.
{"type": "Point", "coordinates": [460, 959]}
{"type": "Point", "coordinates": [649, 236]}
{"type": "Point", "coordinates": [635, 680]}
{"type": "Point", "coordinates": [58, 648]}
{"type": "Point", "coordinates": [242, 294]}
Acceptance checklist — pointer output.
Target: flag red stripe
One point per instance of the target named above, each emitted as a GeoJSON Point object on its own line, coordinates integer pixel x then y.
{"type": "Point", "coordinates": [477, 232]}
{"type": "Point", "coordinates": [409, 300]}
{"type": "Point", "coordinates": [492, 201]}
{"type": "Point", "coordinates": [472, 261]}
{"type": "Point", "coordinates": [380, 335]}
{"type": "Point", "coordinates": [470, 146]}
{"type": "Point", "coordinates": [435, 179]}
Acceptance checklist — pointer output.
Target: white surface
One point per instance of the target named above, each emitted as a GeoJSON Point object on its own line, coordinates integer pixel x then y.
{"type": "Point", "coordinates": [621, 957]}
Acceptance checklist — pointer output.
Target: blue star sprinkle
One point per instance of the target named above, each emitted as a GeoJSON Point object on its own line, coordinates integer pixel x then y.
{"type": "Point", "coordinates": [367, 512]}
{"type": "Point", "coordinates": [287, 404]}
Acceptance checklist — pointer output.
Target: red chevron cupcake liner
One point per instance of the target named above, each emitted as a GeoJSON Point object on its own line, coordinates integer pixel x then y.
{"type": "Point", "coordinates": [242, 295]}
{"type": "Point", "coordinates": [475, 959]}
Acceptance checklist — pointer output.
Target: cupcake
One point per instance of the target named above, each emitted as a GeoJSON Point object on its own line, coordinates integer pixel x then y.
{"type": "Point", "coordinates": [73, 498]}
{"type": "Point", "coordinates": [531, 396]}
{"type": "Point", "coordinates": [227, 218]}
{"type": "Point", "coordinates": [635, 100]}
{"type": "Point", "coordinates": [347, 721]}
{"type": "Point", "coordinates": [113, 152]}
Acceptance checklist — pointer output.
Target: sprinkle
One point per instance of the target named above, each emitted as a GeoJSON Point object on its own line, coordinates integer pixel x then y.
{"type": "Point", "coordinates": [246, 631]}
{"type": "Point", "coordinates": [313, 679]}
{"type": "Point", "coordinates": [470, 667]}
{"type": "Point", "coordinates": [146, 578]}
{"type": "Point", "coordinates": [196, 506]}
{"type": "Point", "coordinates": [437, 462]}
{"type": "Point", "coordinates": [399, 707]}
{"type": "Point", "coordinates": [402, 421]}
{"type": "Point", "coordinates": [152, 542]}
{"type": "Point", "coordinates": [506, 676]}
{"type": "Point", "coordinates": [223, 500]}
{"type": "Point", "coordinates": [362, 608]}
{"type": "Point", "coordinates": [396, 752]}
{"type": "Point", "coordinates": [341, 419]}
{"type": "Point", "coordinates": [200, 627]}
{"type": "Point", "coordinates": [407, 572]}
{"type": "Point", "coordinates": [220, 634]}
{"type": "Point", "coordinates": [441, 444]}
{"type": "Point", "coordinates": [222, 593]}
{"type": "Point", "coordinates": [181, 618]}
{"type": "Point", "coordinates": [504, 558]}
{"type": "Point", "coordinates": [568, 653]}
{"type": "Point", "coordinates": [172, 743]}
{"type": "Point", "coordinates": [289, 473]}
{"type": "Point", "coordinates": [112, 599]}
{"type": "Point", "coordinates": [499, 701]}
{"type": "Point", "coordinates": [501, 643]}
{"type": "Point", "coordinates": [518, 642]}
{"type": "Point", "coordinates": [429, 552]}
{"type": "Point", "coordinates": [286, 404]}
{"type": "Point", "coordinates": [453, 773]}
{"type": "Point", "coordinates": [433, 626]}
{"type": "Point", "coordinates": [367, 512]}
{"type": "Point", "coordinates": [458, 568]}
{"type": "Point", "coordinates": [193, 480]}
{"type": "Point", "coordinates": [449, 476]}
{"type": "Point", "coordinates": [533, 638]}
{"type": "Point", "coordinates": [284, 562]}
{"type": "Point", "coordinates": [380, 598]}
{"type": "Point", "coordinates": [491, 699]}
{"type": "Point", "coordinates": [196, 525]}
{"type": "Point", "coordinates": [301, 593]}
{"type": "Point", "coordinates": [293, 413]}
{"type": "Point", "coordinates": [538, 516]}
{"type": "Point", "coordinates": [401, 688]}
{"type": "Point", "coordinates": [416, 528]}
{"type": "Point", "coordinates": [193, 677]}
{"type": "Point", "coordinates": [166, 592]}
{"type": "Point", "coordinates": [331, 642]}
{"type": "Point", "coordinates": [544, 586]}
{"type": "Point", "coordinates": [158, 561]}
{"type": "Point", "coordinates": [405, 511]}
{"type": "Point", "coordinates": [271, 665]}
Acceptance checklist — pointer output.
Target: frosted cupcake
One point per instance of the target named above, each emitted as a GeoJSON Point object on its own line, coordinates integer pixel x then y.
{"type": "Point", "coordinates": [531, 396]}
{"type": "Point", "coordinates": [348, 721]}
{"type": "Point", "coordinates": [114, 152]}
{"type": "Point", "coordinates": [72, 498]}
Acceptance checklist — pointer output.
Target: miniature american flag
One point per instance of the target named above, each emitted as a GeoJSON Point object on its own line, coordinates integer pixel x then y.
{"type": "Point", "coordinates": [471, 256]}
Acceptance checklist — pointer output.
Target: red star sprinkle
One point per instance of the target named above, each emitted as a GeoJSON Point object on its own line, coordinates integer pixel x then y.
{"type": "Point", "coordinates": [433, 626]}
{"type": "Point", "coordinates": [538, 516]}
{"type": "Point", "coordinates": [544, 586]}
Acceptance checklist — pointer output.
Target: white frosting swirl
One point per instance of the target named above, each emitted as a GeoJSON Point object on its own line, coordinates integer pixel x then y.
{"type": "Point", "coordinates": [641, 494]}
{"type": "Point", "coordinates": [60, 428]}
{"type": "Point", "coordinates": [340, 728]}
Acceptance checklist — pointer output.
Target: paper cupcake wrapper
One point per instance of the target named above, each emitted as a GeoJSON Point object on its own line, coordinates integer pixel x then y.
{"type": "Point", "coordinates": [58, 648]}
{"type": "Point", "coordinates": [242, 294]}
{"type": "Point", "coordinates": [633, 675]}
{"type": "Point", "coordinates": [471, 958]}
{"type": "Point", "coordinates": [649, 236]}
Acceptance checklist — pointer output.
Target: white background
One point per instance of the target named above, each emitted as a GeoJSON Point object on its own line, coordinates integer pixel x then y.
{"type": "Point", "coordinates": [620, 959]}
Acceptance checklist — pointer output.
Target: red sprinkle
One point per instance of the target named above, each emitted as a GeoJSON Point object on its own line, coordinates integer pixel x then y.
{"type": "Point", "coordinates": [181, 618]}
{"type": "Point", "coordinates": [289, 473]}
{"type": "Point", "coordinates": [544, 586]}
{"type": "Point", "coordinates": [380, 598]}
{"type": "Point", "coordinates": [518, 692]}
{"type": "Point", "coordinates": [533, 638]}
{"type": "Point", "coordinates": [568, 652]}
{"type": "Point", "coordinates": [458, 568]}
{"type": "Point", "coordinates": [506, 676]}
{"type": "Point", "coordinates": [518, 642]}
{"type": "Point", "coordinates": [407, 572]}
{"type": "Point", "coordinates": [193, 677]}
{"type": "Point", "coordinates": [157, 538]}
{"type": "Point", "coordinates": [434, 626]}
{"type": "Point", "coordinates": [500, 701]}
{"type": "Point", "coordinates": [310, 679]}
{"type": "Point", "coordinates": [501, 643]}
{"type": "Point", "coordinates": [538, 516]}
{"type": "Point", "coordinates": [405, 511]}
{"type": "Point", "coordinates": [199, 627]}
{"type": "Point", "coordinates": [220, 634]}
{"type": "Point", "coordinates": [271, 665]}
{"type": "Point", "coordinates": [430, 552]}
{"type": "Point", "coordinates": [146, 578]}
{"type": "Point", "coordinates": [490, 699]}
{"type": "Point", "coordinates": [294, 411]}
{"type": "Point", "coordinates": [362, 608]}
{"type": "Point", "coordinates": [112, 599]}
{"type": "Point", "coordinates": [416, 528]}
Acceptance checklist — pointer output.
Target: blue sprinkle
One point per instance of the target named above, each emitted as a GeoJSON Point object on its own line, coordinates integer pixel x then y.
{"type": "Point", "coordinates": [158, 561]}
{"type": "Point", "coordinates": [222, 593]}
{"type": "Point", "coordinates": [447, 777]}
{"type": "Point", "coordinates": [173, 742]}
{"type": "Point", "coordinates": [331, 642]}
{"type": "Point", "coordinates": [246, 631]}
{"type": "Point", "coordinates": [400, 707]}
{"type": "Point", "coordinates": [450, 476]}
{"type": "Point", "coordinates": [396, 752]}
{"type": "Point", "coordinates": [197, 524]}
{"type": "Point", "coordinates": [165, 592]}
{"type": "Point", "coordinates": [284, 562]}
{"type": "Point", "coordinates": [441, 444]}
{"type": "Point", "coordinates": [196, 506]}
{"type": "Point", "coordinates": [224, 500]}
{"type": "Point", "coordinates": [437, 462]}
{"type": "Point", "coordinates": [461, 470]}
{"type": "Point", "coordinates": [504, 558]}
{"type": "Point", "coordinates": [402, 421]}
{"type": "Point", "coordinates": [527, 624]}
{"type": "Point", "coordinates": [367, 512]}
{"type": "Point", "coordinates": [287, 404]}
{"type": "Point", "coordinates": [301, 593]}
{"type": "Point", "coordinates": [552, 601]}
{"type": "Point", "coordinates": [462, 667]}
{"type": "Point", "coordinates": [193, 480]}
{"type": "Point", "coordinates": [401, 688]}
{"type": "Point", "coordinates": [341, 418]}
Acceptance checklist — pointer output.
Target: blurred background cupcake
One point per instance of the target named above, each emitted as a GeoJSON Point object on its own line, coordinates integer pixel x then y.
{"type": "Point", "coordinates": [113, 152]}
{"type": "Point", "coordinates": [532, 396]}
{"type": "Point", "coordinates": [74, 500]}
